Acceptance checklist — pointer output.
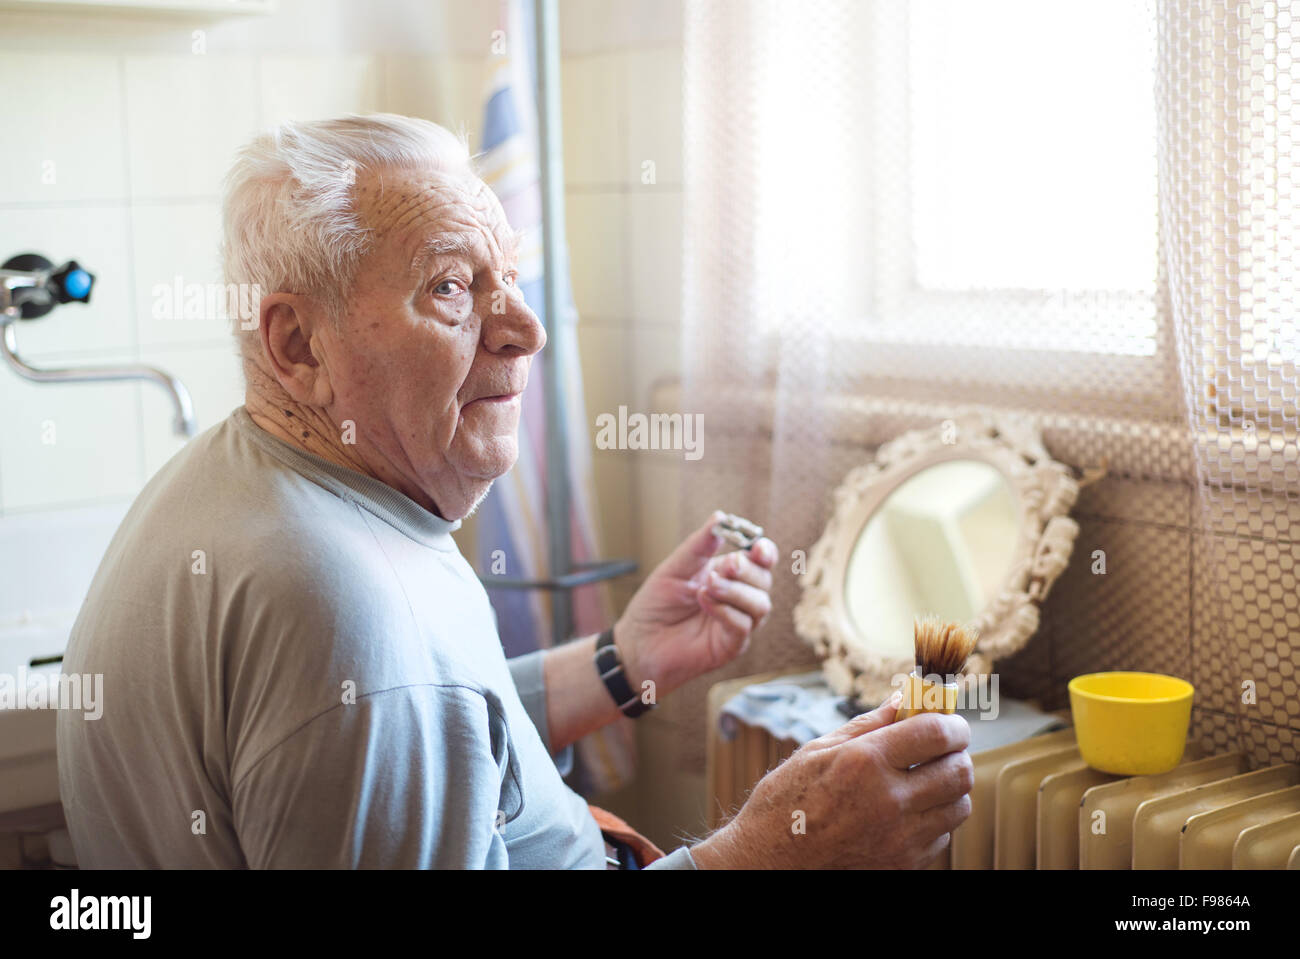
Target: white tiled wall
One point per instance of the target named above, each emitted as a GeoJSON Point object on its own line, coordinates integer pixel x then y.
{"type": "Point", "coordinates": [184, 116]}
{"type": "Point", "coordinates": [123, 133]}
{"type": "Point", "coordinates": [621, 103]}
{"type": "Point", "coordinates": [36, 104]}
{"type": "Point", "coordinates": [622, 107]}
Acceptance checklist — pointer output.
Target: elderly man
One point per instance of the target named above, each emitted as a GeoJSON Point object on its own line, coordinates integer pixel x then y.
{"type": "Point", "coordinates": [300, 668]}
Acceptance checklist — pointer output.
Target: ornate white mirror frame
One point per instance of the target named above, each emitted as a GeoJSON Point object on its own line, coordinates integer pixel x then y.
{"type": "Point", "coordinates": [1045, 491]}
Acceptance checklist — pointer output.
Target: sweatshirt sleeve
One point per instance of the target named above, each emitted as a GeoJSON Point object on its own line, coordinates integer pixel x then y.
{"type": "Point", "coordinates": [677, 859]}
{"type": "Point", "coordinates": [530, 682]}
{"type": "Point", "coordinates": [406, 778]}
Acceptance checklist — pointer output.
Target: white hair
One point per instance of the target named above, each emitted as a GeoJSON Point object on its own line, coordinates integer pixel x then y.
{"type": "Point", "coordinates": [289, 219]}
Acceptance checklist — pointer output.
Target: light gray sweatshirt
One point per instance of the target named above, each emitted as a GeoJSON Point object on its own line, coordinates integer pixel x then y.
{"type": "Point", "coordinates": [300, 670]}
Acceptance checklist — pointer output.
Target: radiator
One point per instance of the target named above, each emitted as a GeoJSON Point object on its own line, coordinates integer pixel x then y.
{"type": "Point", "coordinates": [1037, 805]}
{"type": "Point", "coordinates": [734, 765]}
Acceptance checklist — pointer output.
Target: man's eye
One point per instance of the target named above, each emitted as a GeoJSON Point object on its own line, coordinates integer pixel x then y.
{"type": "Point", "coordinates": [448, 288]}
{"type": "Point", "coordinates": [510, 278]}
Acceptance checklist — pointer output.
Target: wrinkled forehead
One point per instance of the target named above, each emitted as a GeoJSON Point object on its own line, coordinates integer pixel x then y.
{"type": "Point", "coordinates": [418, 213]}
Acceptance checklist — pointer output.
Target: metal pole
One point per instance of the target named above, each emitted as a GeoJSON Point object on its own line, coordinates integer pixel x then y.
{"type": "Point", "coordinates": [551, 157]}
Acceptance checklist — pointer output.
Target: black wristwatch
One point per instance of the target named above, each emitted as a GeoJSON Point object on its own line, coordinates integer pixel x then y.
{"type": "Point", "coordinates": [610, 666]}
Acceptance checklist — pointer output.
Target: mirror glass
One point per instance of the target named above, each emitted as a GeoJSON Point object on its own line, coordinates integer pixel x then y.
{"type": "Point", "coordinates": [942, 542]}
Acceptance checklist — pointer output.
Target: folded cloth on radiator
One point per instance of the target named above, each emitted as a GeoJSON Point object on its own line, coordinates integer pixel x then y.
{"type": "Point", "coordinates": [802, 707]}
{"type": "Point", "coordinates": [799, 707]}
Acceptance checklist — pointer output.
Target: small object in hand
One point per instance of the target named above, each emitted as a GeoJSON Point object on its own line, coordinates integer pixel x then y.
{"type": "Point", "coordinates": [738, 531]}
{"type": "Point", "coordinates": [941, 653]}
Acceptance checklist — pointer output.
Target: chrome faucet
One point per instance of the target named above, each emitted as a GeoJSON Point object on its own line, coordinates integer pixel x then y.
{"type": "Point", "coordinates": [30, 287]}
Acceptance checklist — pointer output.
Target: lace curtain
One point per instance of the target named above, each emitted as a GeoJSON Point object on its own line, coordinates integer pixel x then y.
{"type": "Point", "coordinates": [1079, 210]}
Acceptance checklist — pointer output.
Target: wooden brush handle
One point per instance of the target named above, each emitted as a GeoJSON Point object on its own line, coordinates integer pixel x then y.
{"type": "Point", "coordinates": [926, 696]}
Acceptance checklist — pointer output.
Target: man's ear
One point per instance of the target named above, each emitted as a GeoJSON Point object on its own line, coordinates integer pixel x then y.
{"type": "Point", "coordinates": [287, 326]}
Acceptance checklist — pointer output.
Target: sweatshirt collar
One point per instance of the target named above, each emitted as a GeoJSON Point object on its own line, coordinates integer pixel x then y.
{"type": "Point", "coordinates": [394, 507]}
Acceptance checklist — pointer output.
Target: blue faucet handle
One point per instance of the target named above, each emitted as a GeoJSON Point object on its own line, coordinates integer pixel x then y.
{"type": "Point", "coordinates": [73, 283]}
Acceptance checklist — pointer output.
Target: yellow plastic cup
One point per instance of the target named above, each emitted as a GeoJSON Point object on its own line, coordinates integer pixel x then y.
{"type": "Point", "coordinates": [1131, 724]}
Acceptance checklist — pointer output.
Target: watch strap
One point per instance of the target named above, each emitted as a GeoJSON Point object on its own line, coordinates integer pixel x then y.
{"type": "Point", "coordinates": [609, 664]}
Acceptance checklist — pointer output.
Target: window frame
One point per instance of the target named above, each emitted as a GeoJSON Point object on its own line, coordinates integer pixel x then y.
{"type": "Point", "coordinates": [888, 352]}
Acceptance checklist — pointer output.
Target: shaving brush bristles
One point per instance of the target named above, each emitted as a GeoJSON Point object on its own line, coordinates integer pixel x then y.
{"type": "Point", "coordinates": [941, 653]}
{"type": "Point", "coordinates": [942, 648]}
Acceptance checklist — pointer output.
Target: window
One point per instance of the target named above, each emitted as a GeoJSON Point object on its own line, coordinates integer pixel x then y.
{"type": "Point", "coordinates": [942, 179]}
{"type": "Point", "coordinates": [1027, 212]}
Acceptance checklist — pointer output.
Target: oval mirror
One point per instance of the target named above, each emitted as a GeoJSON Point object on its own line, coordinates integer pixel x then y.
{"type": "Point", "coordinates": [968, 521]}
{"type": "Point", "coordinates": [942, 542]}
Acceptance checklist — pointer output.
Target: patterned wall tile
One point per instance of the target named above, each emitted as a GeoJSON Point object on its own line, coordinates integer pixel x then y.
{"type": "Point", "coordinates": [1216, 657]}
{"type": "Point", "coordinates": [1029, 686]}
{"type": "Point", "coordinates": [1246, 614]}
{"type": "Point", "coordinates": [1150, 448]}
{"type": "Point", "coordinates": [1249, 513]}
{"type": "Point", "coordinates": [1267, 744]}
{"type": "Point", "coordinates": [1215, 732]}
{"type": "Point", "coordinates": [1121, 498]}
{"type": "Point", "coordinates": [1135, 615]}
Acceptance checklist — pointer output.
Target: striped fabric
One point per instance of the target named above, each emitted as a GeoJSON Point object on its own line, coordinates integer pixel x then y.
{"type": "Point", "coordinates": [513, 517]}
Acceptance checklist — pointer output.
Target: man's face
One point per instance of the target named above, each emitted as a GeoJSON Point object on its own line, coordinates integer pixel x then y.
{"type": "Point", "coordinates": [437, 340]}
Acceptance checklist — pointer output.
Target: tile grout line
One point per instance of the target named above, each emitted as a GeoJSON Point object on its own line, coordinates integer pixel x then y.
{"type": "Point", "coordinates": [132, 292]}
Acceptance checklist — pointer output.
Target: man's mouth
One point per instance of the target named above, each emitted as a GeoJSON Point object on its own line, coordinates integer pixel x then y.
{"type": "Point", "coordinates": [502, 398]}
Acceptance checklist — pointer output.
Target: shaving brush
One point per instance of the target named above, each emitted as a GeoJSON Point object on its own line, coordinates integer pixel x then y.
{"type": "Point", "coordinates": [941, 651]}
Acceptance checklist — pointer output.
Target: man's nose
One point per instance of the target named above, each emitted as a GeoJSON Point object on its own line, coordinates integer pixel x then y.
{"type": "Point", "coordinates": [509, 325]}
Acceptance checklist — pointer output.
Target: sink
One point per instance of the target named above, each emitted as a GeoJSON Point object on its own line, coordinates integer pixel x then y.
{"type": "Point", "coordinates": [29, 773]}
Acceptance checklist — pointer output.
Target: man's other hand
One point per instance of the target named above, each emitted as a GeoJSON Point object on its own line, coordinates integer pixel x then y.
{"type": "Point", "coordinates": [871, 794]}
{"type": "Point", "coordinates": [696, 611]}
